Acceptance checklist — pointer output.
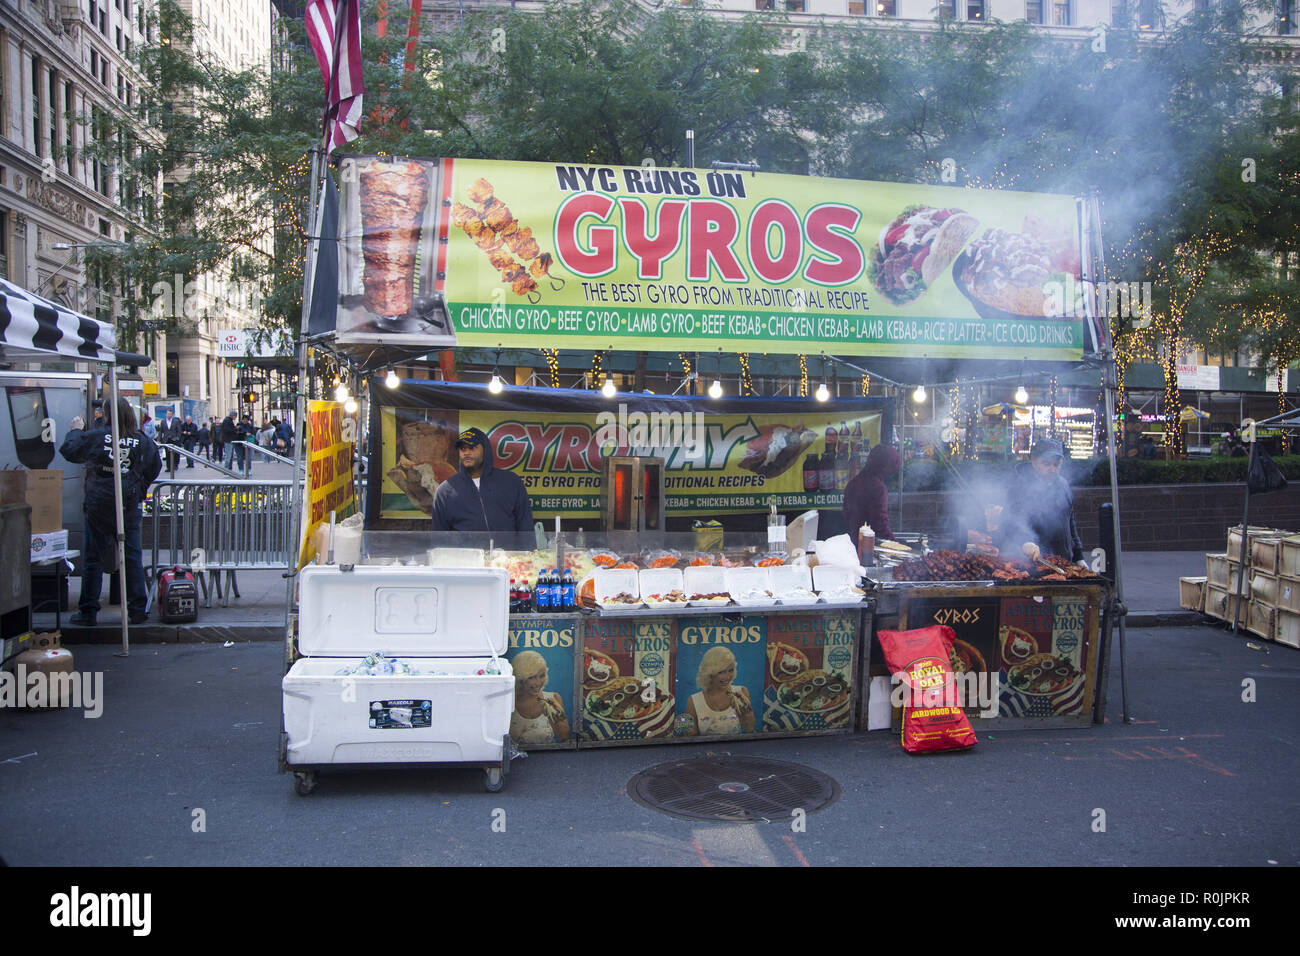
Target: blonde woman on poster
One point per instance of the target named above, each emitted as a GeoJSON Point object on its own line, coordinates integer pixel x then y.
{"type": "Point", "coordinates": [539, 717]}
{"type": "Point", "coordinates": [719, 707]}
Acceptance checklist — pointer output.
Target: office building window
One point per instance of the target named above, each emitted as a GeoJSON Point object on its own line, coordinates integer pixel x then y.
{"type": "Point", "coordinates": [1149, 15]}
{"type": "Point", "coordinates": [947, 9]}
{"type": "Point", "coordinates": [794, 6]}
{"type": "Point", "coordinates": [69, 123]}
{"type": "Point", "coordinates": [1061, 13]}
{"type": "Point", "coordinates": [36, 107]}
{"type": "Point", "coordinates": [52, 110]}
{"type": "Point", "coordinates": [1034, 11]}
{"type": "Point", "coordinates": [974, 9]}
{"type": "Point", "coordinates": [886, 8]}
{"type": "Point", "coordinates": [1286, 18]}
{"type": "Point", "coordinates": [764, 4]}
{"type": "Point", "coordinates": [857, 8]}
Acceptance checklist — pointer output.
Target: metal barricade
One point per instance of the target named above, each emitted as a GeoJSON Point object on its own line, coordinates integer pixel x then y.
{"type": "Point", "coordinates": [219, 527]}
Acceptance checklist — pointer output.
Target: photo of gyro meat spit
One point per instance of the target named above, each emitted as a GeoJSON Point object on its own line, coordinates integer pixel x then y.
{"type": "Point", "coordinates": [393, 198]}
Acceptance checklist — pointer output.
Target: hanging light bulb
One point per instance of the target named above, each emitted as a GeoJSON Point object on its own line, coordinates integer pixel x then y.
{"type": "Point", "coordinates": [350, 406]}
{"type": "Point", "coordinates": [392, 381]}
{"type": "Point", "coordinates": [341, 393]}
{"type": "Point", "coordinates": [496, 385]}
{"type": "Point", "coordinates": [715, 390]}
{"type": "Point", "coordinates": [919, 395]}
{"type": "Point", "coordinates": [823, 393]}
{"type": "Point", "coordinates": [609, 390]}
{"type": "Point", "coordinates": [1021, 395]}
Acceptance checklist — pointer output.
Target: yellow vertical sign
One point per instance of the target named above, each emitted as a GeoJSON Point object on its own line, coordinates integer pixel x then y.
{"type": "Point", "coordinates": [331, 437]}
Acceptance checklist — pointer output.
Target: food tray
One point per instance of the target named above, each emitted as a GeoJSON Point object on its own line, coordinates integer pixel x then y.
{"type": "Point", "coordinates": [829, 577]}
{"type": "Point", "coordinates": [612, 581]}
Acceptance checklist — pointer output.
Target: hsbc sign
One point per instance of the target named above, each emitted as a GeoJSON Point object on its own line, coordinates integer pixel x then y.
{"type": "Point", "coordinates": [258, 343]}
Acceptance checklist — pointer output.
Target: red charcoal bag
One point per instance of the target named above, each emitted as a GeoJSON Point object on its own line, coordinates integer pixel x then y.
{"type": "Point", "coordinates": [921, 656]}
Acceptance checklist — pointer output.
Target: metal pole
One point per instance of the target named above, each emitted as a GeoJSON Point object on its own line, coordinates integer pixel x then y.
{"type": "Point", "coordinates": [690, 149]}
{"type": "Point", "coordinates": [1245, 538]}
{"type": "Point", "coordinates": [116, 429]}
{"type": "Point", "coordinates": [293, 545]}
{"type": "Point", "coordinates": [1112, 382]}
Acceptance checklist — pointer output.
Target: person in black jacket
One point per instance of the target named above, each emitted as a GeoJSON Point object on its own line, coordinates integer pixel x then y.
{"type": "Point", "coordinates": [247, 434]}
{"type": "Point", "coordinates": [229, 433]}
{"type": "Point", "coordinates": [140, 464]}
{"type": "Point", "coordinates": [189, 438]}
{"type": "Point", "coordinates": [480, 497]}
{"type": "Point", "coordinates": [1038, 517]}
{"type": "Point", "coordinates": [205, 441]}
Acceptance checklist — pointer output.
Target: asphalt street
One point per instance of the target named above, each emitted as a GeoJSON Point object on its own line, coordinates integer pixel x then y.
{"type": "Point", "coordinates": [189, 734]}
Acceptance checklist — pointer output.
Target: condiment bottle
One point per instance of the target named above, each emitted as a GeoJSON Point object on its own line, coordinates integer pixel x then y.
{"type": "Point", "coordinates": [866, 546]}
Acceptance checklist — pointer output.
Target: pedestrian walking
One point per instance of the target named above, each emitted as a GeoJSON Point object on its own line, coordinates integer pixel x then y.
{"type": "Point", "coordinates": [229, 432]}
{"type": "Point", "coordinates": [189, 438]}
{"type": "Point", "coordinates": [247, 439]}
{"type": "Point", "coordinates": [205, 441]}
{"type": "Point", "coordinates": [171, 435]}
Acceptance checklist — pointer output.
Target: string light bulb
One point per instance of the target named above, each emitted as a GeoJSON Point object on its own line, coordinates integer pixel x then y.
{"type": "Point", "coordinates": [495, 385]}
{"type": "Point", "coordinates": [350, 406]}
{"type": "Point", "coordinates": [919, 395]}
{"type": "Point", "coordinates": [609, 389]}
{"type": "Point", "coordinates": [341, 393]}
{"type": "Point", "coordinates": [391, 380]}
{"type": "Point", "coordinates": [1022, 396]}
{"type": "Point", "coordinates": [715, 390]}
{"type": "Point", "coordinates": [823, 393]}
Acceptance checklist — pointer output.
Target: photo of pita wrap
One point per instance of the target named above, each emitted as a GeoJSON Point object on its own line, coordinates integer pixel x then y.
{"type": "Point", "coordinates": [1005, 274]}
{"type": "Point", "coordinates": [915, 248]}
{"type": "Point", "coordinates": [776, 448]}
{"type": "Point", "coordinates": [426, 458]}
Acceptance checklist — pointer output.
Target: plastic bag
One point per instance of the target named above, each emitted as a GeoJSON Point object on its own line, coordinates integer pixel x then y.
{"type": "Point", "coordinates": [1263, 474]}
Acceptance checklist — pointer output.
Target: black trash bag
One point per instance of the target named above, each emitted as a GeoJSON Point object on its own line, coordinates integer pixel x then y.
{"type": "Point", "coordinates": [1263, 474]}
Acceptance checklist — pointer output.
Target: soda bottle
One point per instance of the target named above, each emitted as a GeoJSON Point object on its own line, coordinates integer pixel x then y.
{"type": "Point", "coordinates": [570, 589]}
{"type": "Point", "coordinates": [826, 473]}
{"type": "Point", "coordinates": [514, 596]}
{"type": "Point", "coordinates": [842, 466]}
{"type": "Point", "coordinates": [857, 431]}
{"type": "Point", "coordinates": [542, 593]}
{"type": "Point", "coordinates": [525, 596]}
{"type": "Point", "coordinates": [810, 473]}
{"type": "Point", "coordinates": [832, 436]}
{"type": "Point", "coordinates": [844, 434]}
{"type": "Point", "coordinates": [557, 590]}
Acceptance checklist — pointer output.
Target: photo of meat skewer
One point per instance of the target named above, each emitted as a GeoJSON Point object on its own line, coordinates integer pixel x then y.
{"type": "Point", "coordinates": [496, 231]}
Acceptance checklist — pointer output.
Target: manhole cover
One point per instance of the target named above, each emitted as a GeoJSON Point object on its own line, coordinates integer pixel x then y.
{"type": "Point", "coordinates": [734, 789]}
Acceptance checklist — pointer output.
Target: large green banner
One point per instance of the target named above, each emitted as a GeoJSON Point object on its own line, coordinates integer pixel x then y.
{"type": "Point", "coordinates": [488, 253]}
{"type": "Point", "coordinates": [666, 259]}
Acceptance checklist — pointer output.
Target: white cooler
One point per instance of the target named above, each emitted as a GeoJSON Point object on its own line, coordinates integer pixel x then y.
{"type": "Point", "coordinates": [452, 622]}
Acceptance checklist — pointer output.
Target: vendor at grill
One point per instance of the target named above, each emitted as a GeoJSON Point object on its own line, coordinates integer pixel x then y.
{"type": "Point", "coordinates": [1038, 517]}
{"type": "Point", "coordinates": [480, 497]}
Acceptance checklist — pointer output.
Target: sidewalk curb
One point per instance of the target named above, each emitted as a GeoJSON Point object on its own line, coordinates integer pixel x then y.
{"type": "Point", "coordinates": [1180, 618]}
{"type": "Point", "coordinates": [176, 633]}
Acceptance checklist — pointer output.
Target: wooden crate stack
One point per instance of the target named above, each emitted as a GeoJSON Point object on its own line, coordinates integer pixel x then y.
{"type": "Point", "coordinates": [1271, 595]}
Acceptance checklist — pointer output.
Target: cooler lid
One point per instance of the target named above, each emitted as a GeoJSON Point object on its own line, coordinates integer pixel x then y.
{"type": "Point", "coordinates": [403, 611]}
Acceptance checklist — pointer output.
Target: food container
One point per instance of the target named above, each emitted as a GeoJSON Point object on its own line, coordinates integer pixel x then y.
{"type": "Point", "coordinates": [611, 582]}
{"type": "Point", "coordinates": [456, 557]}
{"type": "Point", "coordinates": [828, 577]}
{"type": "Point", "coordinates": [604, 559]}
{"type": "Point", "coordinates": [706, 580]}
{"type": "Point", "coordinates": [772, 559]}
{"type": "Point", "coordinates": [660, 581]}
{"type": "Point", "coordinates": [742, 583]}
{"type": "Point", "coordinates": [658, 560]}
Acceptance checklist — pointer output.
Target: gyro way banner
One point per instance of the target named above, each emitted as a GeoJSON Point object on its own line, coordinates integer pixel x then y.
{"type": "Point", "coordinates": [605, 257]}
{"type": "Point", "coordinates": [726, 456]}
{"type": "Point", "coordinates": [329, 485]}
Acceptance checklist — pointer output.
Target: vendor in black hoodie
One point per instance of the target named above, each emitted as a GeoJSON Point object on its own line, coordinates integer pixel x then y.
{"type": "Point", "coordinates": [480, 497]}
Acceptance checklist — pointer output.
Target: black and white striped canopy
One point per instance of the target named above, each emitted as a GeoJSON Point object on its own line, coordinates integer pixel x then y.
{"type": "Point", "coordinates": [31, 323]}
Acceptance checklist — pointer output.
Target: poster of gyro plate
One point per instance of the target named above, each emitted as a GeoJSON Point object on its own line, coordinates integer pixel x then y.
{"type": "Point", "coordinates": [1032, 653]}
{"type": "Point", "coordinates": [666, 679]}
{"type": "Point", "coordinates": [660, 259]}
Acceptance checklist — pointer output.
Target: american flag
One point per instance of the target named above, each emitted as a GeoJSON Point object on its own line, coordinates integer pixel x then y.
{"type": "Point", "coordinates": [334, 30]}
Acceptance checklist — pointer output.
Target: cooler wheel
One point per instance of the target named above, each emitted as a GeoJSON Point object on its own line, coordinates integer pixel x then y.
{"type": "Point", "coordinates": [495, 779]}
{"type": "Point", "coordinates": [304, 782]}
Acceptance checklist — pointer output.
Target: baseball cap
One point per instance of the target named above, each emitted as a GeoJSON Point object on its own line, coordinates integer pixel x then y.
{"type": "Point", "coordinates": [469, 438]}
{"type": "Point", "coordinates": [1047, 447]}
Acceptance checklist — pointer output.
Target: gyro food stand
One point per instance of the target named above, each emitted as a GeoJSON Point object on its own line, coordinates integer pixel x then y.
{"type": "Point", "coordinates": [675, 635]}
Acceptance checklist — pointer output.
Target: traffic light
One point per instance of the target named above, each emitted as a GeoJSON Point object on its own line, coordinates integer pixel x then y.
{"type": "Point", "coordinates": [250, 397]}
